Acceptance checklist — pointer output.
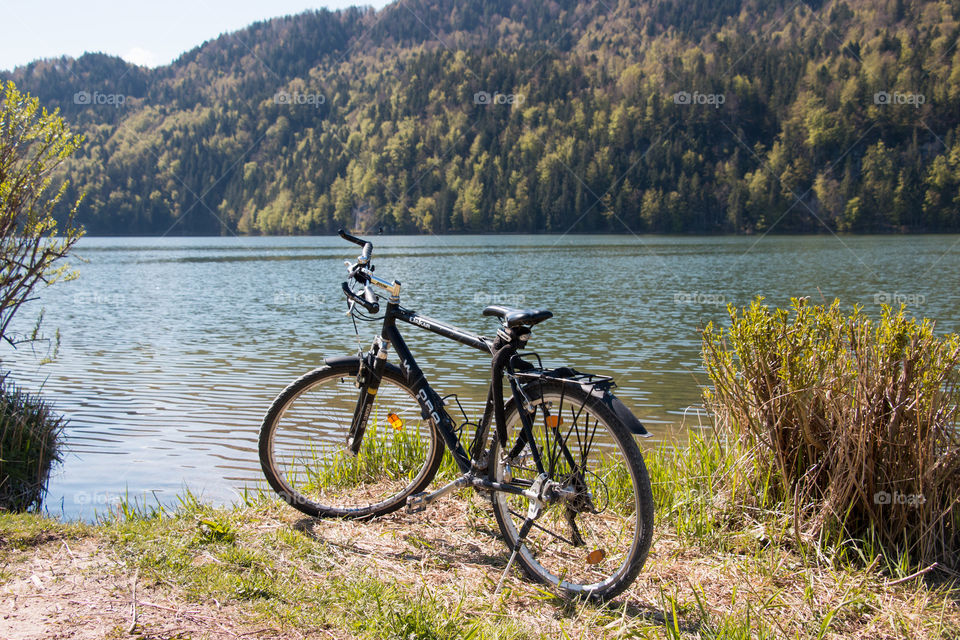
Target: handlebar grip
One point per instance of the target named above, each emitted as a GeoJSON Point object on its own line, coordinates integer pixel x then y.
{"type": "Point", "coordinates": [349, 238]}
{"type": "Point", "coordinates": [367, 246]}
{"type": "Point", "coordinates": [373, 305]}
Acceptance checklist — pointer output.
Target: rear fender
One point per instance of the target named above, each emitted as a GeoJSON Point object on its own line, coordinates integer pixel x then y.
{"type": "Point", "coordinates": [625, 415]}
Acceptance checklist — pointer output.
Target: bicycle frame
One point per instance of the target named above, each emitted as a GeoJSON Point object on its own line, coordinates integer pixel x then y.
{"type": "Point", "coordinates": [510, 339]}
{"type": "Point", "coordinates": [390, 336]}
{"type": "Point", "coordinates": [470, 464]}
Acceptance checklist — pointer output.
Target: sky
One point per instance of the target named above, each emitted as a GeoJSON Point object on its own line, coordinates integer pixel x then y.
{"type": "Point", "coordinates": [148, 33]}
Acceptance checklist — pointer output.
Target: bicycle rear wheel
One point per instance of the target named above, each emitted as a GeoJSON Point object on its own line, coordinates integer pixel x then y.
{"type": "Point", "coordinates": [594, 544]}
{"type": "Point", "coordinates": [303, 445]}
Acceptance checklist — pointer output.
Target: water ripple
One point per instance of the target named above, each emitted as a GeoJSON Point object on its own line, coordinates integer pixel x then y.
{"type": "Point", "coordinates": [172, 349]}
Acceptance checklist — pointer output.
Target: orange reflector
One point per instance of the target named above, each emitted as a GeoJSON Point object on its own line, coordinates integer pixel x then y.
{"type": "Point", "coordinates": [554, 421]}
{"type": "Point", "coordinates": [395, 421]}
{"type": "Point", "coordinates": [596, 556]}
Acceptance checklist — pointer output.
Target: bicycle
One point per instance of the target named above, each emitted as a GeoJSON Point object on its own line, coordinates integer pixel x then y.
{"type": "Point", "coordinates": [361, 437]}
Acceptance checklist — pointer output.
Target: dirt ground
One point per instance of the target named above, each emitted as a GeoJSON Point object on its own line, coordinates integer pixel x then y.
{"type": "Point", "coordinates": [81, 591]}
{"type": "Point", "coordinates": [81, 588]}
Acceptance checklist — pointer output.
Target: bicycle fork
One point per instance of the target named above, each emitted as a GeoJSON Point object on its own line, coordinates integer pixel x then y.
{"type": "Point", "coordinates": [368, 379]}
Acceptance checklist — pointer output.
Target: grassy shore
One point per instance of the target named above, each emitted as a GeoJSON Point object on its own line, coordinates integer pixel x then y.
{"type": "Point", "coordinates": [29, 446]}
{"type": "Point", "coordinates": [261, 569]}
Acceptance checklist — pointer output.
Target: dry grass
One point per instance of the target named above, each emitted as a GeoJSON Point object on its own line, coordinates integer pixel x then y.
{"type": "Point", "coordinates": [849, 424]}
{"type": "Point", "coordinates": [262, 567]}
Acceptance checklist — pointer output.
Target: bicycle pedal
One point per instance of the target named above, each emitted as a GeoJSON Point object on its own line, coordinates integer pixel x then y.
{"type": "Point", "coordinates": [417, 502]}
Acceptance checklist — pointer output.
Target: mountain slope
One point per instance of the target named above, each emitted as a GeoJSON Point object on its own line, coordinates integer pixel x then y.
{"type": "Point", "coordinates": [435, 115]}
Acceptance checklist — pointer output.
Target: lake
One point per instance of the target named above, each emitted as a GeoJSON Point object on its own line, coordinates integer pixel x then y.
{"type": "Point", "coordinates": [173, 348]}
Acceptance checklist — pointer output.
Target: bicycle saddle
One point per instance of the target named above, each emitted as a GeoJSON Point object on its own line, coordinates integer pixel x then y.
{"type": "Point", "coordinates": [515, 317]}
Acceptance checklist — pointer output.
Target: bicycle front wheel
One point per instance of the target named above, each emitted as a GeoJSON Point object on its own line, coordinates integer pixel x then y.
{"type": "Point", "coordinates": [303, 442]}
{"type": "Point", "coordinates": [594, 542]}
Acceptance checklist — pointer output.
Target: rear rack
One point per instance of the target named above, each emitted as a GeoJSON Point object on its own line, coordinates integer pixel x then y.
{"type": "Point", "coordinates": [525, 372]}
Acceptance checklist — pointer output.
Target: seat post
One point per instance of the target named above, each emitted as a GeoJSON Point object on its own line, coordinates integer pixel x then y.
{"type": "Point", "coordinates": [514, 336]}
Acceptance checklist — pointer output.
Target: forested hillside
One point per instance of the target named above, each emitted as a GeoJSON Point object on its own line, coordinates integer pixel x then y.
{"type": "Point", "coordinates": [530, 115]}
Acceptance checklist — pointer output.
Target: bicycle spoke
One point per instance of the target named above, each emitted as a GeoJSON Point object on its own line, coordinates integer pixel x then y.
{"type": "Point", "coordinates": [590, 540]}
{"type": "Point", "coordinates": [588, 441]}
{"type": "Point", "coordinates": [523, 517]}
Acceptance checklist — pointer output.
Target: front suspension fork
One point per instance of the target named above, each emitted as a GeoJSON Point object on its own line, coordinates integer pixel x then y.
{"type": "Point", "coordinates": [368, 379]}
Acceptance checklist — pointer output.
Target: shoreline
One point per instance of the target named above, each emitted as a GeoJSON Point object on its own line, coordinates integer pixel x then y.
{"type": "Point", "coordinates": [263, 569]}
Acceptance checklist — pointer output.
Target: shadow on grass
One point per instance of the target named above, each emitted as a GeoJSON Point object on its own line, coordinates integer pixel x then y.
{"type": "Point", "coordinates": [440, 550]}
{"type": "Point", "coordinates": [437, 549]}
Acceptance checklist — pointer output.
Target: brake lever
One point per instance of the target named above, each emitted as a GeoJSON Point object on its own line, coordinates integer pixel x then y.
{"type": "Point", "coordinates": [370, 306]}
{"type": "Point", "coordinates": [355, 271]}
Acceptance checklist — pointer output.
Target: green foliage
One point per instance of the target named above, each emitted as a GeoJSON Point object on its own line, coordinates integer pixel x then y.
{"type": "Point", "coordinates": [29, 446]}
{"type": "Point", "coordinates": [598, 142]}
{"type": "Point", "coordinates": [849, 424]}
{"type": "Point", "coordinates": [33, 144]}
{"type": "Point", "coordinates": [216, 530]}
{"type": "Point", "coordinates": [385, 453]}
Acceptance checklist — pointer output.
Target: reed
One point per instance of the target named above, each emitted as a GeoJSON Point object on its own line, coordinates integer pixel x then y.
{"type": "Point", "coordinates": [29, 446]}
{"type": "Point", "coordinates": [847, 423]}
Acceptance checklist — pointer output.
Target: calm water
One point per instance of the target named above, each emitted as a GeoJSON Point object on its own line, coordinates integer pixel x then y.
{"type": "Point", "coordinates": [172, 349]}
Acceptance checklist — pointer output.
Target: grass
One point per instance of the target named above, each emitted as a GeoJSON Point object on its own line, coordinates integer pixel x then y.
{"type": "Point", "coordinates": [712, 574]}
{"type": "Point", "coordinates": [29, 446]}
{"type": "Point", "coordinates": [732, 555]}
{"type": "Point", "coordinates": [384, 452]}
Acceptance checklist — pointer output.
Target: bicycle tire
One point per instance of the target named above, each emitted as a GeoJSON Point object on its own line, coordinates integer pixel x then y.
{"type": "Point", "coordinates": [552, 554]}
{"type": "Point", "coordinates": [303, 437]}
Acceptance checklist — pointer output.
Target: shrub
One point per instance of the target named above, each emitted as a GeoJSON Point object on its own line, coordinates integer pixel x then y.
{"type": "Point", "coordinates": [847, 423]}
{"type": "Point", "coordinates": [29, 445]}
{"type": "Point", "coordinates": [33, 143]}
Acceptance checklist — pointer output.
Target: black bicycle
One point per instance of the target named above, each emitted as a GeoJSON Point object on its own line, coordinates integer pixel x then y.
{"type": "Point", "coordinates": [361, 437]}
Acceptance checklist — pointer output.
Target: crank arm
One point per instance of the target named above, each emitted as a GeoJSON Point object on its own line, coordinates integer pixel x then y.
{"type": "Point", "coordinates": [419, 501]}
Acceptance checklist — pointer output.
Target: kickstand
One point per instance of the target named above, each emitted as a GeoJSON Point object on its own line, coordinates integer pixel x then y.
{"type": "Point", "coordinates": [524, 530]}
{"type": "Point", "coordinates": [534, 509]}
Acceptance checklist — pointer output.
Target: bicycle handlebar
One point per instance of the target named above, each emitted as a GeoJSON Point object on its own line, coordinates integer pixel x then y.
{"type": "Point", "coordinates": [368, 301]}
{"type": "Point", "coordinates": [364, 257]}
{"type": "Point", "coordinates": [362, 273]}
{"type": "Point", "coordinates": [371, 299]}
